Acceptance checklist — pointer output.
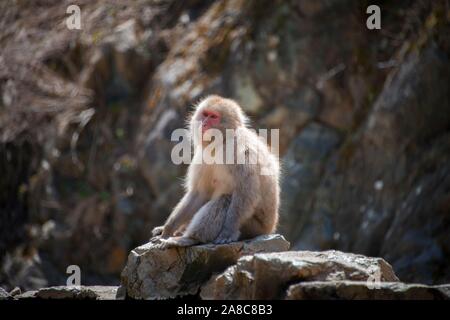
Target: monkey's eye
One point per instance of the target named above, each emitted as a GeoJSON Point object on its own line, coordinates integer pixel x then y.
{"type": "Point", "coordinates": [208, 114]}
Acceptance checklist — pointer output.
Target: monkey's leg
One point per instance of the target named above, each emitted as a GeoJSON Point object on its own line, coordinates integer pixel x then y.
{"type": "Point", "coordinates": [182, 214]}
{"type": "Point", "coordinates": [242, 205]}
{"type": "Point", "coordinates": [254, 226]}
{"type": "Point", "coordinates": [180, 231]}
{"type": "Point", "coordinates": [205, 226]}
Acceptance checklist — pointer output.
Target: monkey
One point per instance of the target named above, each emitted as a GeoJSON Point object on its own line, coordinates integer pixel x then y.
{"type": "Point", "coordinates": [224, 202]}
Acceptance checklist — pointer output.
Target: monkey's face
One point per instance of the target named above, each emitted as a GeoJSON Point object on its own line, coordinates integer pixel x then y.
{"type": "Point", "coordinates": [210, 119]}
{"type": "Point", "coordinates": [216, 113]}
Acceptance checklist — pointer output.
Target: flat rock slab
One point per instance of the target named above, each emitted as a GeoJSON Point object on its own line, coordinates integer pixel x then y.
{"type": "Point", "coordinates": [153, 273]}
{"type": "Point", "coordinates": [357, 290]}
{"type": "Point", "coordinates": [75, 292]}
{"type": "Point", "coordinates": [268, 275]}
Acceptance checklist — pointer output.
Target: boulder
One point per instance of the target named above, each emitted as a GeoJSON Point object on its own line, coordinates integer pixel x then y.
{"type": "Point", "coordinates": [268, 275]}
{"type": "Point", "coordinates": [153, 273]}
{"type": "Point", "coordinates": [360, 290]}
{"type": "Point", "coordinates": [75, 292]}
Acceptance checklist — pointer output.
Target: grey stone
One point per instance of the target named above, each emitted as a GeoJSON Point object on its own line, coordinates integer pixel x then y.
{"type": "Point", "coordinates": [267, 275]}
{"type": "Point", "coordinates": [359, 290]}
{"type": "Point", "coordinates": [75, 292]}
{"type": "Point", "coordinates": [4, 295]}
{"type": "Point", "coordinates": [152, 273]}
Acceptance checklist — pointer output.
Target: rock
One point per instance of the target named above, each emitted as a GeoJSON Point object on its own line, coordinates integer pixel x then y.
{"type": "Point", "coordinates": [247, 95]}
{"type": "Point", "coordinates": [338, 113]}
{"type": "Point", "coordinates": [303, 167]}
{"type": "Point", "coordinates": [296, 111]}
{"type": "Point", "coordinates": [16, 291]}
{"type": "Point", "coordinates": [81, 292]}
{"type": "Point", "coordinates": [268, 275]}
{"type": "Point", "coordinates": [417, 240]}
{"type": "Point", "coordinates": [359, 290]}
{"type": "Point", "coordinates": [27, 295]}
{"type": "Point", "coordinates": [4, 295]}
{"type": "Point", "coordinates": [132, 60]}
{"type": "Point", "coordinates": [390, 177]}
{"type": "Point", "coordinates": [152, 273]}
{"type": "Point", "coordinates": [30, 271]}
{"type": "Point", "coordinates": [156, 163]}
{"type": "Point", "coordinates": [97, 69]}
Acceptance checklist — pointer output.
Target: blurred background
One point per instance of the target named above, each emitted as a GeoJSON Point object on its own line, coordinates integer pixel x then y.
{"type": "Point", "coordinates": [86, 117]}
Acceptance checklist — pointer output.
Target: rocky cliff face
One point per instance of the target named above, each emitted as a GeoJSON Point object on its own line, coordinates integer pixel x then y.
{"type": "Point", "coordinates": [86, 118]}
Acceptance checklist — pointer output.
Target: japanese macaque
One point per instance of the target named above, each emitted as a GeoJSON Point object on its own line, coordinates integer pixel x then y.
{"type": "Point", "coordinates": [224, 202]}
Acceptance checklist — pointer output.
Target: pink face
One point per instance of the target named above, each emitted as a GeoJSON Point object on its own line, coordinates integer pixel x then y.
{"type": "Point", "coordinates": [210, 119]}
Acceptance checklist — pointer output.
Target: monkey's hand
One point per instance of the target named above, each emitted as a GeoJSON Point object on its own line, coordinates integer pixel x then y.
{"type": "Point", "coordinates": [157, 234]}
{"type": "Point", "coordinates": [227, 235]}
{"type": "Point", "coordinates": [157, 231]}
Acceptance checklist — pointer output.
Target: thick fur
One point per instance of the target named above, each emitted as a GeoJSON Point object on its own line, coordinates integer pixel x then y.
{"type": "Point", "coordinates": [226, 202]}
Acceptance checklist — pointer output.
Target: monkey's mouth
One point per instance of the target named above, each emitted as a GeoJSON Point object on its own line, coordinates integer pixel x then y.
{"type": "Point", "coordinates": [206, 136]}
{"type": "Point", "coordinates": [206, 130]}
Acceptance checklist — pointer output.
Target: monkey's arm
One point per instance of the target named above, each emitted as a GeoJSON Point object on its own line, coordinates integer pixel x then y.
{"type": "Point", "coordinates": [183, 213]}
{"type": "Point", "coordinates": [243, 202]}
